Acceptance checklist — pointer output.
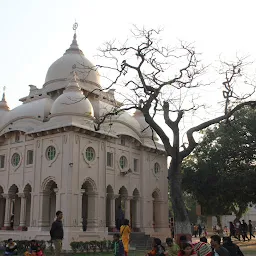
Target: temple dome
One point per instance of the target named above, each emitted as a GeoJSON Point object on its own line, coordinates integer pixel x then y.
{"type": "Point", "coordinates": [146, 131]}
{"type": "Point", "coordinates": [72, 101]}
{"type": "Point", "coordinates": [72, 59]}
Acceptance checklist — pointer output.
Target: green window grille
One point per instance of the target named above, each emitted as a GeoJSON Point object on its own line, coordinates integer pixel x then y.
{"type": "Point", "coordinates": [15, 159]}
{"type": "Point", "coordinates": [156, 168]}
{"type": "Point", "coordinates": [50, 153]}
{"type": "Point", "coordinates": [123, 162]}
{"type": "Point", "coordinates": [90, 154]}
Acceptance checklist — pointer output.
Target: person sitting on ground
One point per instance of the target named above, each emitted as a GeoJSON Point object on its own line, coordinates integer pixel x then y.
{"type": "Point", "coordinates": [187, 249]}
{"type": "Point", "coordinates": [118, 245]}
{"type": "Point", "coordinates": [11, 248]}
{"type": "Point", "coordinates": [231, 247]}
{"type": "Point", "coordinates": [34, 250]}
{"type": "Point", "coordinates": [217, 249]}
{"type": "Point", "coordinates": [172, 248]}
{"type": "Point", "coordinates": [158, 249]}
{"type": "Point", "coordinates": [203, 248]}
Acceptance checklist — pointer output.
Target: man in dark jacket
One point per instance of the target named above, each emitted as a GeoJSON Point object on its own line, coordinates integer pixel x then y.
{"type": "Point", "coordinates": [233, 249]}
{"type": "Point", "coordinates": [57, 233]}
{"type": "Point", "coordinates": [250, 229]}
{"type": "Point", "coordinates": [217, 249]}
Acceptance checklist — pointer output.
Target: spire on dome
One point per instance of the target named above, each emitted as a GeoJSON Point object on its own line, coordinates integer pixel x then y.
{"type": "Point", "coordinates": [73, 84]}
{"type": "Point", "coordinates": [74, 45]}
{"type": "Point", "coordinates": [3, 98]}
{"type": "Point", "coordinates": [3, 103]}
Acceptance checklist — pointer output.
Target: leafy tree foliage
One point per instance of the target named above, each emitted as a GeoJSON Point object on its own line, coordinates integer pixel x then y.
{"type": "Point", "coordinates": [221, 173]}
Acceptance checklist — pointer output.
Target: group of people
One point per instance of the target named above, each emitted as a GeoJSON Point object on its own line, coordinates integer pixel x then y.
{"type": "Point", "coordinates": [201, 248]}
{"type": "Point", "coordinates": [12, 249]}
{"type": "Point", "coordinates": [198, 230]}
{"type": "Point", "coordinates": [121, 242]}
{"type": "Point", "coordinates": [239, 229]}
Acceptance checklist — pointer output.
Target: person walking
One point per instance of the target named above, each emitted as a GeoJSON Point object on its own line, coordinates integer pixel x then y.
{"type": "Point", "coordinates": [217, 249]}
{"type": "Point", "coordinates": [125, 232]}
{"type": "Point", "coordinates": [200, 230]}
{"type": "Point", "coordinates": [251, 229]}
{"type": "Point", "coordinates": [244, 229]}
{"type": "Point", "coordinates": [57, 233]}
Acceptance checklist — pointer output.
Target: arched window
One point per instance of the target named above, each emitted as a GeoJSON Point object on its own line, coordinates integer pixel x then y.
{"type": "Point", "coordinates": [156, 168]}
{"type": "Point", "coordinates": [90, 154]}
{"type": "Point", "coordinates": [123, 162]}
{"type": "Point", "coordinates": [50, 153]}
{"type": "Point", "coordinates": [15, 159]}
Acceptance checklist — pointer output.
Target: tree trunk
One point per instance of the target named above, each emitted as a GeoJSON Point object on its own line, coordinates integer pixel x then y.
{"type": "Point", "coordinates": [220, 231]}
{"type": "Point", "coordinates": [181, 219]}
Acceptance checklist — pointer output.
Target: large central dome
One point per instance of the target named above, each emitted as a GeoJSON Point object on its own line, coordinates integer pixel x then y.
{"type": "Point", "coordinates": [73, 59]}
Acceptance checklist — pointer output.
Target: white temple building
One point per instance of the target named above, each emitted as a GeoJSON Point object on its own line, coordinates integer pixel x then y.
{"type": "Point", "coordinates": [52, 158]}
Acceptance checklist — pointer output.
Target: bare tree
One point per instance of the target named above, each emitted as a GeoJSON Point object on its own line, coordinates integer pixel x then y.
{"type": "Point", "coordinates": [162, 81]}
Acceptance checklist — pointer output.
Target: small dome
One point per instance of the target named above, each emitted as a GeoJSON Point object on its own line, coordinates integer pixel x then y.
{"type": "Point", "coordinates": [72, 101]}
{"type": "Point", "coordinates": [38, 109]}
{"type": "Point", "coordinates": [145, 130]}
{"type": "Point", "coordinates": [128, 120]}
{"type": "Point", "coordinates": [61, 69]}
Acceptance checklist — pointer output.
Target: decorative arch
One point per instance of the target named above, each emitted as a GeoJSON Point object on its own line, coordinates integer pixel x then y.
{"type": "Point", "coordinates": [27, 188]}
{"type": "Point", "coordinates": [14, 189]}
{"type": "Point", "coordinates": [136, 193]}
{"type": "Point", "coordinates": [109, 189]}
{"type": "Point", "coordinates": [3, 187]}
{"type": "Point", "coordinates": [156, 193]}
{"type": "Point", "coordinates": [47, 183]}
{"type": "Point", "coordinates": [123, 191]}
{"type": "Point", "coordinates": [89, 184]}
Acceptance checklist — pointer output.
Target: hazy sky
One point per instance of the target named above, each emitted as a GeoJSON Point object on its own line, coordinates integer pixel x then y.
{"type": "Point", "coordinates": [34, 33]}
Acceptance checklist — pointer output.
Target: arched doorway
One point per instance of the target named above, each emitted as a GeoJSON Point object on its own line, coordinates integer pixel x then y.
{"type": "Point", "coordinates": [156, 209]}
{"type": "Point", "coordinates": [2, 207]}
{"type": "Point", "coordinates": [48, 203]}
{"type": "Point", "coordinates": [135, 210]}
{"type": "Point", "coordinates": [110, 208]}
{"type": "Point", "coordinates": [122, 207]}
{"type": "Point", "coordinates": [15, 206]}
{"type": "Point", "coordinates": [89, 205]}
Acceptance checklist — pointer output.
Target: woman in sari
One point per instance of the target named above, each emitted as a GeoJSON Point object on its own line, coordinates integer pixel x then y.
{"type": "Point", "coordinates": [125, 231]}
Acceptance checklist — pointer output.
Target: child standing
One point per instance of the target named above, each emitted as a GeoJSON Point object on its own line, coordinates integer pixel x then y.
{"type": "Point", "coordinates": [118, 245]}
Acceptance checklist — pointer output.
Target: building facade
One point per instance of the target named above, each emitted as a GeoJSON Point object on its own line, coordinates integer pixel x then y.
{"type": "Point", "coordinates": [52, 158]}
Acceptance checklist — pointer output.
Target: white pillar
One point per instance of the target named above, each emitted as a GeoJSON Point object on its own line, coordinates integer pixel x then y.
{"type": "Point", "coordinates": [44, 201]}
{"type": "Point", "coordinates": [127, 212]}
{"type": "Point", "coordinates": [7, 216]}
{"type": "Point", "coordinates": [112, 217]}
{"type": "Point", "coordinates": [23, 209]}
{"type": "Point", "coordinates": [92, 219]}
{"type": "Point", "coordinates": [79, 210]}
{"type": "Point", "coordinates": [137, 213]}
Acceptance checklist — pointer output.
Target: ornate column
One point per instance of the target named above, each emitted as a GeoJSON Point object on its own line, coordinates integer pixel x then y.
{"type": "Point", "coordinates": [23, 211]}
{"type": "Point", "coordinates": [44, 201]}
{"type": "Point", "coordinates": [137, 214]}
{"type": "Point", "coordinates": [127, 212]}
{"type": "Point", "coordinates": [112, 217]}
{"type": "Point", "coordinates": [7, 216]}
{"type": "Point", "coordinates": [79, 210]}
{"type": "Point", "coordinates": [92, 219]}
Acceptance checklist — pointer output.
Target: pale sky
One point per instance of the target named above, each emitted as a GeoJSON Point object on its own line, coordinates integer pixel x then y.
{"type": "Point", "coordinates": [35, 33]}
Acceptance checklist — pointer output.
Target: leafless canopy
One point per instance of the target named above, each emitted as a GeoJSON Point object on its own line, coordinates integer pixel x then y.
{"type": "Point", "coordinates": [159, 80]}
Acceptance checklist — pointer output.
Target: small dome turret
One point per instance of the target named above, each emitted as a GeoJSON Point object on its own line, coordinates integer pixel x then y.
{"type": "Point", "coordinates": [72, 101]}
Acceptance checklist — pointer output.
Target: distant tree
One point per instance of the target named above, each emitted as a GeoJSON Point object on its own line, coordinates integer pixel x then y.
{"type": "Point", "coordinates": [160, 80]}
{"type": "Point", "coordinates": [221, 172]}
